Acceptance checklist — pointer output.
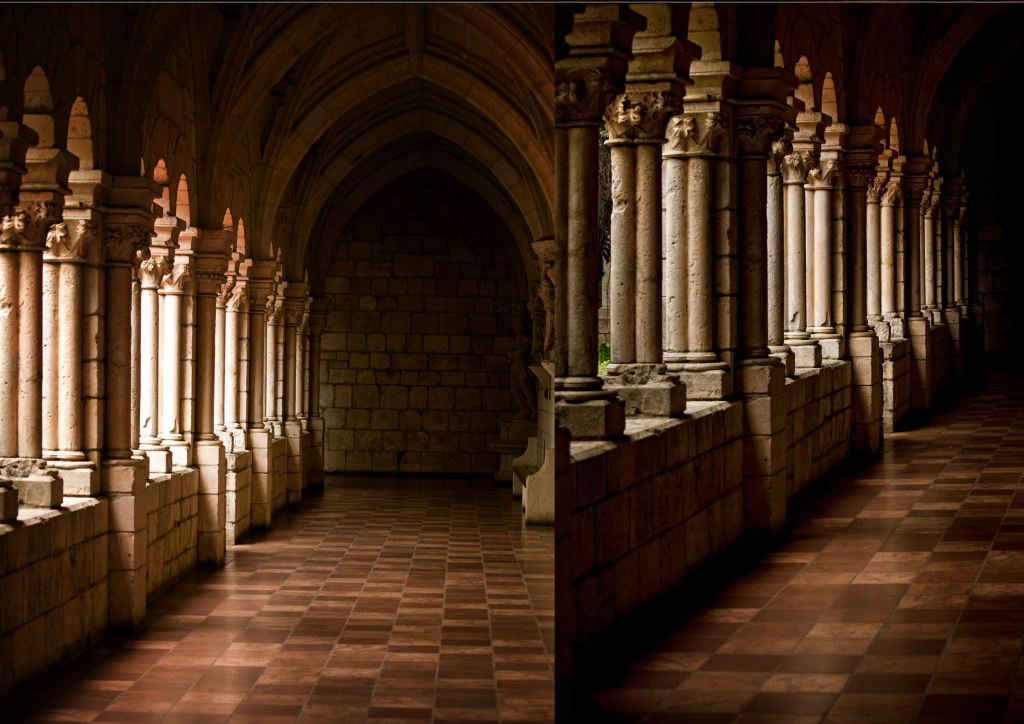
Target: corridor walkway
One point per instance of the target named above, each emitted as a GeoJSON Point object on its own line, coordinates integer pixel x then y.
{"type": "Point", "coordinates": [898, 597]}
{"type": "Point", "coordinates": [380, 600]}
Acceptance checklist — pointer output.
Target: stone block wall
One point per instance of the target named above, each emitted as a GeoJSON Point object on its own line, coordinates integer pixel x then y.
{"type": "Point", "coordinates": [279, 474]}
{"type": "Point", "coordinates": [895, 382]}
{"type": "Point", "coordinates": [939, 362]}
{"type": "Point", "coordinates": [651, 507]}
{"type": "Point", "coordinates": [53, 587]}
{"type": "Point", "coordinates": [818, 423]}
{"type": "Point", "coordinates": [1000, 263]}
{"type": "Point", "coordinates": [239, 495]}
{"type": "Point", "coordinates": [172, 504]}
{"type": "Point", "coordinates": [414, 371]}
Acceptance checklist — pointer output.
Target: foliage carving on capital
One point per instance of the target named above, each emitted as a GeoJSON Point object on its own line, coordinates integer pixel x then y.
{"type": "Point", "coordinates": [696, 133]}
{"type": "Point", "coordinates": [293, 312]}
{"type": "Point", "coordinates": [756, 134]}
{"type": "Point", "coordinates": [582, 95]}
{"type": "Point", "coordinates": [39, 218]}
{"type": "Point", "coordinates": [12, 231]}
{"type": "Point", "coordinates": [860, 173]}
{"type": "Point", "coordinates": [639, 115]}
{"type": "Point", "coordinates": [224, 290]}
{"type": "Point", "coordinates": [303, 328]}
{"type": "Point", "coordinates": [209, 281]}
{"type": "Point", "coordinates": [258, 296]}
{"type": "Point", "coordinates": [893, 191]}
{"type": "Point", "coordinates": [823, 175]}
{"type": "Point", "coordinates": [928, 203]}
{"type": "Point", "coordinates": [238, 295]}
{"type": "Point", "coordinates": [70, 244]}
{"type": "Point", "coordinates": [781, 148]}
{"type": "Point", "coordinates": [126, 243]}
{"type": "Point", "coordinates": [152, 271]}
{"type": "Point", "coordinates": [914, 189]}
{"type": "Point", "coordinates": [796, 165]}
{"type": "Point", "coordinates": [175, 278]}
{"type": "Point", "coordinates": [876, 188]}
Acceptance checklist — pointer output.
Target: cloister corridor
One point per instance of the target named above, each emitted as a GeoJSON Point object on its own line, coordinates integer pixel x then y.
{"type": "Point", "coordinates": [380, 600]}
{"type": "Point", "coordinates": [895, 595]}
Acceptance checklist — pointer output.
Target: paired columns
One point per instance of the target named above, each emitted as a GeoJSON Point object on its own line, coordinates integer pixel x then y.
{"type": "Point", "coordinates": [806, 351]}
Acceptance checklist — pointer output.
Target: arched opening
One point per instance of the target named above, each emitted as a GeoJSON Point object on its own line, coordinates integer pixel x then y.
{"type": "Point", "coordinates": [894, 136]}
{"type": "Point", "coordinates": [80, 140]}
{"type": "Point", "coordinates": [805, 91]}
{"type": "Point", "coordinates": [182, 204]}
{"type": "Point", "coordinates": [829, 104]}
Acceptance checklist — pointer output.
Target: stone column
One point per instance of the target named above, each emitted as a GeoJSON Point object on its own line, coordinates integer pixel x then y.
{"type": "Point", "coordinates": [317, 320]}
{"type": "Point", "coordinates": [234, 308]}
{"type": "Point", "coordinates": [915, 185]}
{"type": "Point", "coordinates": [889, 212]}
{"type": "Point", "coordinates": [209, 454]}
{"type": "Point", "coordinates": [151, 272]}
{"type": "Point", "coordinates": [272, 416]}
{"type": "Point", "coordinates": [293, 311]}
{"type": "Point", "coordinates": [127, 231]}
{"type": "Point", "coordinates": [860, 172]}
{"type": "Point", "coordinates": [172, 288]}
{"type": "Point", "coordinates": [929, 207]}
{"type": "Point", "coordinates": [585, 84]}
{"type": "Point", "coordinates": [689, 294]}
{"type": "Point", "coordinates": [63, 423]}
{"type": "Point", "coordinates": [223, 294]}
{"type": "Point", "coordinates": [636, 125]}
{"type": "Point", "coordinates": [806, 351]}
{"type": "Point", "coordinates": [821, 327]}
{"type": "Point", "coordinates": [950, 312]}
{"type": "Point", "coordinates": [260, 434]}
{"type": "Point", "coordinates": [874, 249]}
{"type": "Point", "coordinates": [777, 257]}
{"type": "Point", "coordinates": [959, 255]}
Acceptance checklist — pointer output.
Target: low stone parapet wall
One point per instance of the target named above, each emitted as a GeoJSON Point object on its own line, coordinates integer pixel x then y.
{"type": "Point", "coordinates": [239, 495]}
{"type": "Point", "coordinates": [652, 506]}
{"type": "Point", "coordinates": [172, 503]}
{"type": "Point", "coordinates": [53, 586]}
{"type": "Point", "coordinates": [819, 422]}
{"type": "Point", "coordinates": [895, 382]}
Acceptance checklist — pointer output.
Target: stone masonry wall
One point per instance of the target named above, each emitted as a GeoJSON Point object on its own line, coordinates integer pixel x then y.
{"type": "Point", "coordinates": [819, 422]}
{"type": "Point", "coordinates": [650, 508]}
{"type": "Point", "coordinates": [414, 373]}
{"type": "Point", "coordinates": [53, 587]}
{"type": "Point", "coordinates": [895, 382]}
{"type": "Point", "coordinates": [172, 502]}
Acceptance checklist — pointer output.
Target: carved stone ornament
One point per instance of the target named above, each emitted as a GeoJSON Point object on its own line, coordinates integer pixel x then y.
{"type": "Point", "coordinates": [914, 189]}
{"type": "Point", "coordinates": [126, 243]}
{"type": "Point", "coordinates": [893, 191]}
{"type": "Point", "coordinates": [780, 149]}
{"type": "Point", "coordinates": [695, 133]}
{"type": "Point", "coordinates": [151, 271]}
{"type": "Point", "coordinates": [39, 217]}
{"type": "Point", "coordinates": [209, 281]}
{"type": "Point", "coordinates": [258, 298]}
{"type": "Point", "coordinates": [224, 290]}
{"type": "Point", "coordinates": [875, 189]}
{"type": "Point", "coordinates": [582, 95]}
{"type": "Point", "coordinates": [238, 296]}
{"type": "Point", "coordinates": [860, 173]}
{"type": "Point", "coordinates": [823, 176]}
{"type": "Point", "coordinates": [755, 135]}
{"type": "Point", "coordinates": [70, 244]}
{"type": "Point", "coordinates": [927, 202]}
{"type": "Point", "coordinates": [293, 313]}
{"type": "Point", "coordinates": [303, 328]}
{"type": "Point", "coordinates": [13, 229]}
{"type": "Point", "coordinates": [639, 116]}
{"type": "Point", "coordinates": [796, 165]}
{"type": "Point", "coordinates": [273, 311]}
{"type": "Point", "coordinates": [175, 278]}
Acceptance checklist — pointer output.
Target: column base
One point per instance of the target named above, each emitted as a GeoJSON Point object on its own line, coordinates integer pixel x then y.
{"type": "Point", "coordinates": [646, 389]}
{"type": "Point", "coordinates": [806, 354]}
{"type": "Point", "coordinates": [833, 346]}
{"type": "Point", "coordinates": [592, 417]}
{"type": "Point", "coordinates": [784, 353]}
{"type": "Point", "coordinates": [37, 485]}
{"type": "Point", "coordinates": [81, 479]}
{"type": "Point", "coordinates": [160, 460]}
{"type": "Point", "coordinates": [896, 327]}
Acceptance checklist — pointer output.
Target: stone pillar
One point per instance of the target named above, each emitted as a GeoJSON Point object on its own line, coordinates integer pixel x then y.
{"type": "Point", "coordinates": [777, 257]}
{"type": "Point", "coordinates": [317, 320]}
{"type": "Point", "coordinates": [63, 423]}
{"type": "Point", "coordinates": [223, 294]}
{"type": "Point", "coordinates": [272, 417]}
{"type": "Point", "coordinates": [902, 270]}
{"type": "Point", "coordinates": [293, 311]}
{"type": "Point", "coordinates": [874, 250]}
{"type": "Point", "coordinates": [929, 207]}
{"type": "Point", "coordinates": [889, 212]}
{"type": "Point", "coordinates": [837, 141]}
{"type": "Point", "coordinates": [636, 125]}
{"type": "Point", "coordinates": [689, 170]}
{"type": "Point", "coordinates": [151, 272]}
{"type": "Point", "coordinates": [585, 84]}
{"type": "Point", "coordinates": [172, 289]}
{"type": "Point", "coordinates": [234, 308]}
{"type": "Point", "coordinates": [127, 230]}
{"type": "Point", "coordinates": [806, 351]}
{"type": "Point", "coordinates": [760, 377]}
{"type": "Point", "coordinates": [209, 454]}
{"type": "Point", "coordinates": [821, 327]}
{"type": "Point", "coordinates": [950, 203]}
{"type": "Point", "coordinates": [915, 184]}
{"type": "Point", "coordinates": [260, 435]}
{"type": "Point", "coordinates": [862, 342]}
{"type": "Point", "coordinates": [960, 256]}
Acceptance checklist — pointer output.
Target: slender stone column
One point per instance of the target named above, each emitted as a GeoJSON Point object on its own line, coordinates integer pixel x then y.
{"type": "Point", "coordinates": [317, 319]}
{"type": "Point", "coordinates": [302, 366]}
{"type": "Point", "coordinates": [151, 272]}
{"type": "Point", "coordinates": [806, 351]}
{"type": "Point", "coordinates": [689, 255]}
{"type": "Point", "coordinates": [636, 124]}
{"type": "Point", "coordinates": [809, 252]}
{"type": "Point", "coordinates": [959, 253]}
{"type": "Point", "coordinates": [223, 294]}
{"type": "Point", "coordinates": [234, 308]}
{"type": "Point", "coordinates": [928, 207]}
{"type": "Point", "coordinates": [136, 361]}
{"type": "Point", "coordinates": [261, 434]}
{"type": "Point", "coordinates": [292, 316]}
{"type": "Point", "coordinates": [950, 209]}
{"type": "Point", "coordinates": [172, 289]}
{"type": "Point", "coordinates": [889, 213]}
{"type": "Point", "coordinates": [821, 327]}
{"type": "Point", "coordinates": [585, 84]}
{"type": "Point", "coordinates": [874, 250]}
{"type": "Point", "coordinates": [272, 416]}
{"type": "Point", "coordinates": [777, 257]}
{"type": "Point", "coordinates": [860, 172]}
{"type": "Point", "coordinates": [915, 184]}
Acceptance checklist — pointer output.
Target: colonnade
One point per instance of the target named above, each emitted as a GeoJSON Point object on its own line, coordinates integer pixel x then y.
{"type": "Point", "coordinates": [135, 348]}
{"type": "Point", "coordinates": [788, 237]}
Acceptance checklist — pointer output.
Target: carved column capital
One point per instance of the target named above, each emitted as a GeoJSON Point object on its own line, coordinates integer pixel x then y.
{"type": "Point", "coordinates": [258, 296]}
{"type": "Point", "coordinates": [174, 280]}
{"type": "Point", "coordinates": [70, 242]}
{"type": "Point", "coordinates": [639, 116]}
{"type": "Point", "coordinates": [581, 95]}
{"type": "Point", "coordinates": [756, 134]}
{"type": "Point", "coordinates": [152, 271]}
{"type": "Point", "coordinates": [823, 175]}
{"type": "Point", "coordinates": [224, 290]}
{"type": "Point", "coordinates": [12, 230]}
{"type": "Point", "coordinates": [795, 167]}
{"type": "Point", "coordinates": [239, 294]}
{"type": "Point", "coordinates": [875, 189]}
{"type": "Point", "coordinates": [317, 321]}
{"type": "Point", "coordinates": [209, 280]}
{"type": "Point", "coordinates": [293, 310]}
{"type": "Point", "coordinates": [39, 216]}
{"type": "Point", "coordinates": [695, 134]}
{"type": "Point", "coordinates": [126, 243]}
{"type": "Point", "coordinates": [914, 189]}
{"type": "Point", "coordinates": [893, 192]}
{"type": "Point", "coordinates": [776, 156]}
{"type": "Point", "coordinates": [860, 172]}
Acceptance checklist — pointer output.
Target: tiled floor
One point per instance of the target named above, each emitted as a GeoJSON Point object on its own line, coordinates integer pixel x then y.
{"type": "Point", "coordinates": [381, 600]}
{"type": "Point", "coordinates": [898, 597]}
